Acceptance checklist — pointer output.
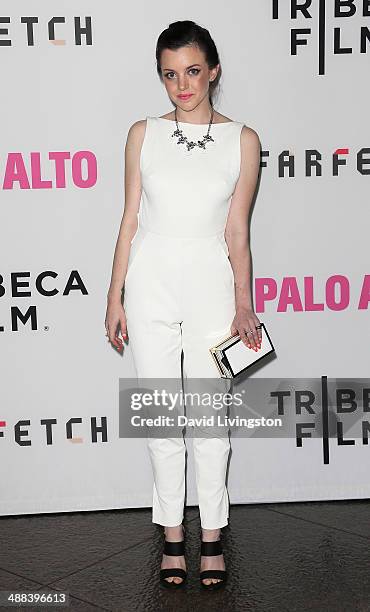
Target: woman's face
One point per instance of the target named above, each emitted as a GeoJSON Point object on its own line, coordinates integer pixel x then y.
{"type": "Point", "coordinates": [185, 71]}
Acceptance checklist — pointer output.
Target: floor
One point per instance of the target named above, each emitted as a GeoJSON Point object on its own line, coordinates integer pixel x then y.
{"type": "Point", "coordinates": [281, 557]}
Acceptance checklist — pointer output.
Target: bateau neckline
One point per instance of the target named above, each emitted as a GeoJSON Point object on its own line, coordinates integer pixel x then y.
{"type": "Point", "coordinates": [198, 124]}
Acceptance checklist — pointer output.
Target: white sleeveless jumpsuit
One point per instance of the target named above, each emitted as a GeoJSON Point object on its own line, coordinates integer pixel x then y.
{"type": "Point", "coordinates": [179, 294]}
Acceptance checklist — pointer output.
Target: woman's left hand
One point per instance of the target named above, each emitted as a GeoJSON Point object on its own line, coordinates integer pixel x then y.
{"type": "Point", "coordinates": [245, 324]}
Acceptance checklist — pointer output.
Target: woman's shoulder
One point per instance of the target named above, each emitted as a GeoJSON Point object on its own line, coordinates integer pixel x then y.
{"type": "Point", "coordinates": [249, 136]}
{"type": "Point", "coordinates": [138, 126]}
{"type": "Point", "coordinates": [218, 118]}
{"type": "Point", "coordinates": [136, 131]}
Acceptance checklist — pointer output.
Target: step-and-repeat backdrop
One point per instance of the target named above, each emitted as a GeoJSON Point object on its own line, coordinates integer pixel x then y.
{"type": "Point", "coordinates": [74, 77]}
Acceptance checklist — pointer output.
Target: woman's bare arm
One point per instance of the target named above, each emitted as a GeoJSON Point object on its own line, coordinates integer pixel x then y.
{"type": "Point", "coordinates": [128, 225]}
{"type": "Point", "coordinates": [115, 317]}
{"type": "Point", "coordinates": [237, 232]}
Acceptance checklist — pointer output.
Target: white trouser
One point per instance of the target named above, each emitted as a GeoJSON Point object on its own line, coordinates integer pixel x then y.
{"type": "Point", "coordinates": [179, 295]}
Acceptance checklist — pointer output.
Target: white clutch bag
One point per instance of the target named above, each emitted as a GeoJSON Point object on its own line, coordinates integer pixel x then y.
{"type": "Point", "coordinates": [233, 357]}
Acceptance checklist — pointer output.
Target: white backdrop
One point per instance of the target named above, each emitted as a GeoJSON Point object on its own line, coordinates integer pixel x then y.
{"type": "Point", "coordinates": [77, 101]}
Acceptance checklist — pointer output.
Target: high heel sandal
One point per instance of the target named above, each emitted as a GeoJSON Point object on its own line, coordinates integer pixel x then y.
{"type": "Point", "coordinates": [176, 549]}
{"type": "Point", "coordinates": [208, 549]}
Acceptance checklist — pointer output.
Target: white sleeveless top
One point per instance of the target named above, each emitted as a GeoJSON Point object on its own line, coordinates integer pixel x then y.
{"type": "Point", "coordinates": [187, 193]}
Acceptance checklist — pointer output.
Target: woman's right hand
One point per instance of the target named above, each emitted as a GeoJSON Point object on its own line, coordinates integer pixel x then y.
{"type": "Point", "coordinates": [115, 316]}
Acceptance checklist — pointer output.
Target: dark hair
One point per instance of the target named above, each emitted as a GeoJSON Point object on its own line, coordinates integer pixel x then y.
{"type": "Point", "coordinates": [182, 33]}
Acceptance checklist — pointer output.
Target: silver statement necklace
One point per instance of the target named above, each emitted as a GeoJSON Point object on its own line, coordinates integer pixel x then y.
{"type": "Point", "coordinates": [190, 144]}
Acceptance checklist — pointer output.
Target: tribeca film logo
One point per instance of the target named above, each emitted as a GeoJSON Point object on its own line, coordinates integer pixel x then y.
{"type": "Point", "coordinates": [314, 14]}
{"type": "Point", "coordinates": [330, 410]}
{"type": "Point", "coordinates": [82, 31]}
{"type": "Point", "coordinates": [22, 314]}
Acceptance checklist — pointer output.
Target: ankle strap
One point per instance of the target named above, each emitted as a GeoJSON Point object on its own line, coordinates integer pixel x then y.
{"type": "Point", "coordinates": [174, 548]}
{"type": "Point", "coordinates": [208, 549]}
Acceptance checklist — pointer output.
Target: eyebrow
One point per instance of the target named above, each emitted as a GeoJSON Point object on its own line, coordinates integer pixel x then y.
{"type": "Point", "coordinates": [192, 66]}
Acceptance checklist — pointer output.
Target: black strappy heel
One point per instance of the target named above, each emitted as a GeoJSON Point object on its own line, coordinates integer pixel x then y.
{"type": "Point", "coordinates": [208, 549]}
{"type": "Point", "coordinates": [175, 549]}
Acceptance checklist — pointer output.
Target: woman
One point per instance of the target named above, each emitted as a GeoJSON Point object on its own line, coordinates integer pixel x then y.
{"type": "Point", "coordinates": [186, 275]}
